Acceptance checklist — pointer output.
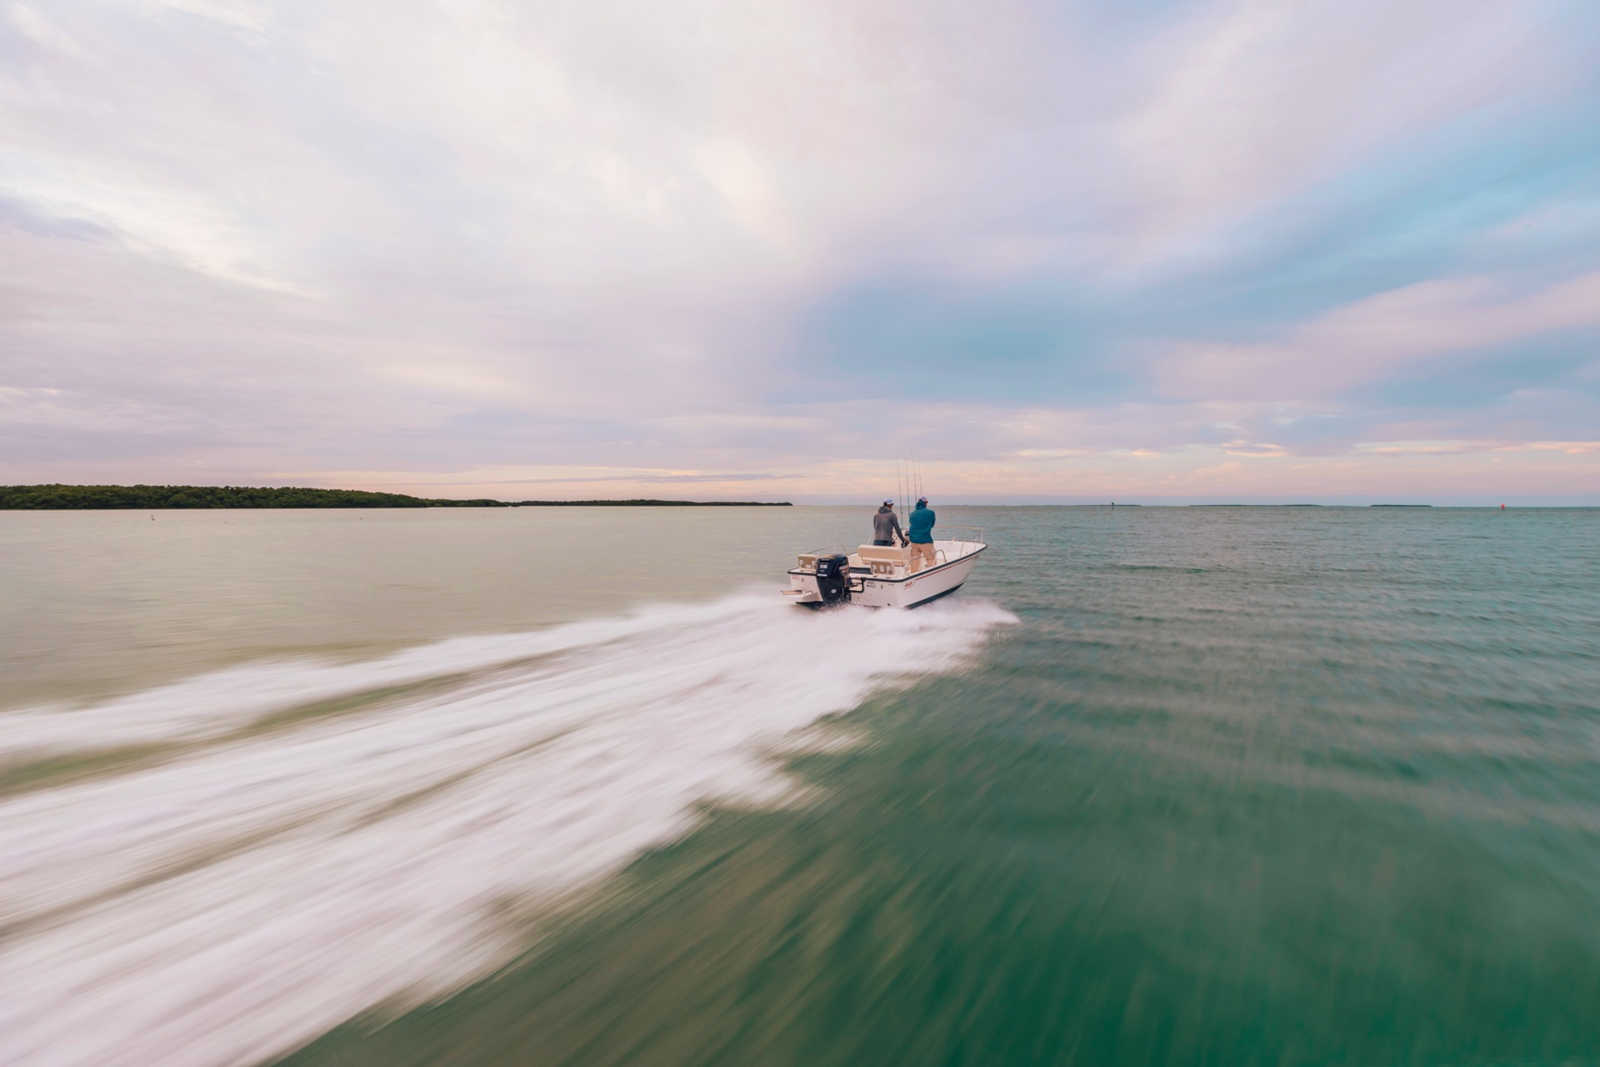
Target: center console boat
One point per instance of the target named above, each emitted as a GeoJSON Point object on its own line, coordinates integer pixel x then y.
{"type": "Point", "coordinates": [877, 576]}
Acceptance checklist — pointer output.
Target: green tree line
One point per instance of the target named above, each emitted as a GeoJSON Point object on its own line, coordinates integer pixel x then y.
{"type": "Point", "coordinates": [211, 496]}
{"type": "Point", "coordinates": [158, 497]}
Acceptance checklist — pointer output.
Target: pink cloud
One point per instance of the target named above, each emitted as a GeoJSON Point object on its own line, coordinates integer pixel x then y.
{"type": "Point", "coordinates": [1373, 338]}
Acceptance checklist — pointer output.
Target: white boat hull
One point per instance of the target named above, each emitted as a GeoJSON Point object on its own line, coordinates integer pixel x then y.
{"type": "Point", "coordinates": [898, 586]}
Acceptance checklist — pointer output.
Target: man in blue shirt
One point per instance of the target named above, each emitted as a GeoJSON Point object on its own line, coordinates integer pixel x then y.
{"type": "Point", "coordinates": [919, 530]}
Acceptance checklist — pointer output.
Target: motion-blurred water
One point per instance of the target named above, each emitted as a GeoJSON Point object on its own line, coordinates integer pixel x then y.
{"type": "Point", "coordinates": [1231, 786]}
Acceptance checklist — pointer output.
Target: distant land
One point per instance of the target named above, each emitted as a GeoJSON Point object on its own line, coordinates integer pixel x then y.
{"type": "Point", "coordinates": [164, 497]}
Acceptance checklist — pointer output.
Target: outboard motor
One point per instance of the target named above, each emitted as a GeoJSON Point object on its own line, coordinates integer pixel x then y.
{"type": "Point", "coordinates": [833, 579]}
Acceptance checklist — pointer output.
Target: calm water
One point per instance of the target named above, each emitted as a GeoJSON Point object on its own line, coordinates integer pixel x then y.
{"type": "Point", "coordinates": [1219, 786]}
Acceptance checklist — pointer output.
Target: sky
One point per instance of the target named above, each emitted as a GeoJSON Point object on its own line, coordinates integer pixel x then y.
{"type": "Point", "coordinates": [1230, 251]}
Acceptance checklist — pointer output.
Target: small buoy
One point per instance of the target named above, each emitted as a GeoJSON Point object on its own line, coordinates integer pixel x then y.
{"type": "Point", "coordinates": [1502, 507]}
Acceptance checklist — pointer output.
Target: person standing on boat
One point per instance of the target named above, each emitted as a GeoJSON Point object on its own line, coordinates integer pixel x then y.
{"type": "Point", "coordinates": [886, 526]}
{"type": "Point", "coordinates": [920, 532]}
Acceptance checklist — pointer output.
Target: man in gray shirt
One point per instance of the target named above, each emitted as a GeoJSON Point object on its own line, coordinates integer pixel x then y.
{"type": "Point", "coordinates": [886, 525]}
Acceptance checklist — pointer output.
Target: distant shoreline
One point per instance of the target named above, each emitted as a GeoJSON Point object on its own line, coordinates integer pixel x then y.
{"type": "Point", "coordinates": [57, 497]}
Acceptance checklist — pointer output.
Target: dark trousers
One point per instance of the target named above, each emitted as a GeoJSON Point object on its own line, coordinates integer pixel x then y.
{"type": "Point", "coordinates": [885, 544]}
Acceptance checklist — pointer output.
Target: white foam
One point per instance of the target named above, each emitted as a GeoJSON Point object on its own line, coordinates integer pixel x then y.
{"type": "Point", "coordinates": [211, 704]}
{"type": "Point", "coordinates": [240, 901]}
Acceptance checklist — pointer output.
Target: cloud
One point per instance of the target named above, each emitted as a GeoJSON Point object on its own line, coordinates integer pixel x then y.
{"type": "Point", "coordinates": [1429, 322]}
{"type": "Point", "coordinates": [240, 238]}
{"type": "Point", "coordinates": [1253, 102]}
{"type": "Point", "coordinates": [1569, 448]}
{"type": "Point", "coordinates": [1254, 449]}
{"type": "Point", "coordinates": [1458, 448]}
{"type": "Point", "coordinates": [1567, 221]}
{"type": "Point", "coordinates": [248, 15]}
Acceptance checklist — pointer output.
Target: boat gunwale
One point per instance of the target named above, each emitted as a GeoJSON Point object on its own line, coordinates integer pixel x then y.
{"type": "Point", "coordinates": [982, 547]}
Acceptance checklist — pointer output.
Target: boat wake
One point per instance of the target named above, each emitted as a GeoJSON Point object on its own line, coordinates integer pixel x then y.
{"type": "Point", "coordinates": [219, 870]}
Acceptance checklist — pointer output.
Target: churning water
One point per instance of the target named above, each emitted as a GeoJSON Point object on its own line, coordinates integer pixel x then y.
{"type": "Point", "coordinates": [293, 843]}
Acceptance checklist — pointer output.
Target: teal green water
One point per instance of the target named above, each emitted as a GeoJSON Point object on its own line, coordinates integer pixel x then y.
{"type": "Point", "coordinates": [1243, 787]}
{"type": "Point", "coordinates": [1160, 786]}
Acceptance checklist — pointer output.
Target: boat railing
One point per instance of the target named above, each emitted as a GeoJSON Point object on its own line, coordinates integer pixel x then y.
{"type": "Point", "coordinates": [961, 535]}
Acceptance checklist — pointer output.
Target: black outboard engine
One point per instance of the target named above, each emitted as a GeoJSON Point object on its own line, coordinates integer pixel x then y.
{"type": "Point", "coordinates": [833, 579]}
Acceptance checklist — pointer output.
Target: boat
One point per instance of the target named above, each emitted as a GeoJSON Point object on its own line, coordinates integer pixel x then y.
{"type": "Point", "coordinates": [880, 576]}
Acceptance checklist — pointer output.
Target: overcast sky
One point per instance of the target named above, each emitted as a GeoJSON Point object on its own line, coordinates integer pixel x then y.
{"type": "Point", "coordinates": [1323, 250]}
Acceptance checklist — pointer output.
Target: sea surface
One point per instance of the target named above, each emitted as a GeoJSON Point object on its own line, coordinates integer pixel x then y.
{"type": "Point", "coordinates": [1225, 786]}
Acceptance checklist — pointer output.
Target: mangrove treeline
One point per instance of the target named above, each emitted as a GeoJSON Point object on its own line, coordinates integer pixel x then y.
{"type": "Point", "coordinates": [159, 497]}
